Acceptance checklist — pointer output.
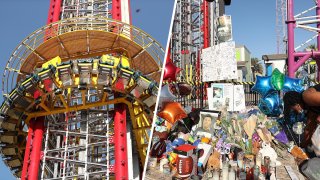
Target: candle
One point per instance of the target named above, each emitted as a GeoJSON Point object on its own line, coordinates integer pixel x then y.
{"type": "Point", "coordinates": [216, 174]}
{"type": "Point", "coordinates": [242, 175]}
{"type": "Point", "coordinates": [249, 173]}
{"type": "Point", "coordinates": [266, 161]}
{"type": "Point", "coordinates": [256, 172]}
{"type": "Point", "coordinates": [163, 162]}
{"type": "Point", "coordinates": [272, 170]}
{"type": "Point", "coordinates": [266, 164]}
{"type": "Point", "coordinates": [152, 162]}
{"type": "Point", "coordinates": [232, 173]}
{"type": "Point", "coordinates": [258, 160]}
{"type": "Point", "coordinates": [225, 171]}
{"type": "Point", "coordinates": [240, 160]}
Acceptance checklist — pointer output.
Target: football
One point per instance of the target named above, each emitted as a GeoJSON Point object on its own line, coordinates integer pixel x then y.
{"type": "Point", "coordinates": [184, 166]}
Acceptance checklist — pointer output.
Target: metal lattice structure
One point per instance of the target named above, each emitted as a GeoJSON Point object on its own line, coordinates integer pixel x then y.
{"type": "Point", "coordinates": [281, 30]}
{"type": "Point", "coordinates": [84, 140]}
{"type": "Point", "coordinates": [308, 22]}
{"type": "Point", "coordinates": [79, 92]}
{"type": "Point", "coordinates": [84, 8]}
{"type": "Point", "coordinates": [194, 28]}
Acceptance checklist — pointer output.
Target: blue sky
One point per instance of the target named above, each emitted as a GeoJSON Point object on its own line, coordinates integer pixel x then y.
{"type": "Point", "coordinates": [253, 26]}
{"type": "Point", "coordinates": [21, 17]}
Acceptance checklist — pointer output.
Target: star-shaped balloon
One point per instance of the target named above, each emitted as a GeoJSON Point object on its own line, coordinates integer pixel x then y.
{"type": "Point", "coordinates": [271, 105]}
{"type": "Point", "coordinates": [171, 71]}
{"type": "Point", "coordinates": [292, 84]}
{"type": "Point", "coordinates": [172, 112]}
{"type": "Point", "coordinates": [263, 85]}
{"type": "Point", "coordinates": [277, 79]}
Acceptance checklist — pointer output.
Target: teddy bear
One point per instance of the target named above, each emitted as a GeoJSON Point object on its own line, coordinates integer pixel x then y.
{"type": "Point", "coordinates": [267, 150]}
{"type": "Point", "coordinates": [255, 147]}
{"type": "Point", "coordinates": [214, 161]}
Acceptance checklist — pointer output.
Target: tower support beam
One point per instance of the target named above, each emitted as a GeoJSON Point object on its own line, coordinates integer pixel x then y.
{"type": "Point", "coordinates": [297, 59]}
{"type": "Point", "coordinates": [318, 38]}
{"type": "Point", "coordinates": [119, 12]}
{"type": "Point", "coordinates": [120, 143]}
{"type": "Point", "coordinates": [54, 11]}
{"type": "Point", "coordinates": [27, 153]}
{"type": "Point", "coordinates": [31, 162]}
{"type": "Point", "coordinates": [290, 25]}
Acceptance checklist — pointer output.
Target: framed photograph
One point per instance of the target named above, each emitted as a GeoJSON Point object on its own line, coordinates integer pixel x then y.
{"type": "Point", "coordinates": [207, 123]}
{"type": "Point", "coordinates": [224, 28]}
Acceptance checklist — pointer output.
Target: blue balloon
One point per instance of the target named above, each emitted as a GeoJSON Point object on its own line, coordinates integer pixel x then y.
{"type": "Point", "coordinates": [271, 105]}
{"type": "Point", "coordinates": [292, 84]}
{"type": "Point", "coordinates": [263, 85]}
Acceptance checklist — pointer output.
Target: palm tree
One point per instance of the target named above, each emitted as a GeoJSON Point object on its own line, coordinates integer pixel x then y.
{"type": "Point", "coordinates": [258, 68]}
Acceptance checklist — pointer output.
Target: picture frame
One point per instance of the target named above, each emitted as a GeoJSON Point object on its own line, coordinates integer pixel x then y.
{"type": "Point", "coordinates": [206, 125]}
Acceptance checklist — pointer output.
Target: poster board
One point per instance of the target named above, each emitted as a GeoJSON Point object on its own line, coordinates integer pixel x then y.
{"type": "Point", "coordinates": [226, 94]}
{"type": "Point", "coordinates": [219, 62]}
{"type": "Point", "coordinates": [239, 100]}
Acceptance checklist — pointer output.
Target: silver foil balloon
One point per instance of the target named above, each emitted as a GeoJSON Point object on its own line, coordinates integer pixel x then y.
{"type": "Point", "coordinates": [298, 128]}
{"type": "Point", "coordinates": [166, 95]}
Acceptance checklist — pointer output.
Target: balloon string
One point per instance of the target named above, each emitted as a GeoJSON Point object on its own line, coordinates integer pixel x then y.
{"type": "Point", "coordinates": [186, 126]}
{"type": "Point", "coordinates": [291, 134]}
{"type": "Point", "coordinates": [191, 75]}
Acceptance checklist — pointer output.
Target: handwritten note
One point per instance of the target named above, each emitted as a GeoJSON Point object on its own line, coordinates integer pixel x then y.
{"type": "Point", "coordinates": [219, 62]}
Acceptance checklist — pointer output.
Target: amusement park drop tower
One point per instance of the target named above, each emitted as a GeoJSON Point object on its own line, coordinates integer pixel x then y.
{"type": "Point", "coordinates": [76, 91]}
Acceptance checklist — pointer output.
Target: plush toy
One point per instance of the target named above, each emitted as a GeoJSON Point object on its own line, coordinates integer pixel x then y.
{"type": "Point", "coordinates": [255, 147]}
{"type": "Point", "coordinates": [267, 150]}
{"type": "Point", "coordinates": [214, 161]}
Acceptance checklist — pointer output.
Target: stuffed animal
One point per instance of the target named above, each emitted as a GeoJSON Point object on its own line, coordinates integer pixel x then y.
{"type": "Point", "coordinates": [267, 150]}
{"type": "Point", "coordinates": [214, 161]}
{"type": "Point", "coordinates": [255, 147]}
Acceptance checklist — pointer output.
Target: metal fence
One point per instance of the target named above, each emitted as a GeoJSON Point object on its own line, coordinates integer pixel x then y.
{"type": "Point", "coordinates": [198, 97]}
{"type": "Point", "coordinates": [252, 98]}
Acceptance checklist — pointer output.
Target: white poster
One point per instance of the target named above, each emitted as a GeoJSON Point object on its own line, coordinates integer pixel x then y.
{"type": "Point", "coordinates": [238, 98]}
{"type": "Point", "coordinates": [219, 62]}
{"type": "Point", "coordinates": [226, 95]}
